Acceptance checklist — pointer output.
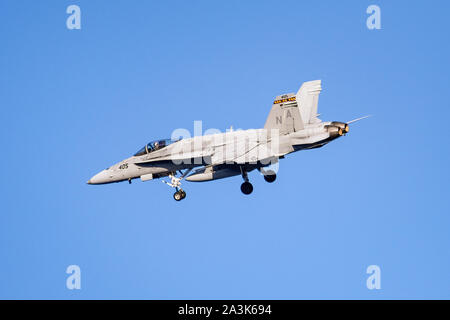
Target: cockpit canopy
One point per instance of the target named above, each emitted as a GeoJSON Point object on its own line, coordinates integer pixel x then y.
{"type": "Point", "coordinates": [153, 146]}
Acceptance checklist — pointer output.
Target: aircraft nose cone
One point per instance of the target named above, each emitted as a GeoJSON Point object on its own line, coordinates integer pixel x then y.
{"type": "Point", "coordinates": [100, 178]}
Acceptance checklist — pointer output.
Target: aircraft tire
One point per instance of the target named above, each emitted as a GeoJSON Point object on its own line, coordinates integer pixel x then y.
{"type": "Point", "coordinates": [183, 194]}
{"type": "Point", "coordinates": [178, 196]}
{"type": "Point", "coordinates": [246, 188]}
{"type": "Point", "coordinates": [270, 178]}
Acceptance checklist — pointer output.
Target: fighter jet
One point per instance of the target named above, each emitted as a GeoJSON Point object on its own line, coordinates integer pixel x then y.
{"type": "Point", "coordinates": [292, 125]}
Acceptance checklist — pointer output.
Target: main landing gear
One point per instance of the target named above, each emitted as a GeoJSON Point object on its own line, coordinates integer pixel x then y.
{"type": "Point", "coordinates": [246, 187]}
{"type": "Point", "coordinates": [270, 176]}
{"type": "Point", "coordinates": [175, 182]}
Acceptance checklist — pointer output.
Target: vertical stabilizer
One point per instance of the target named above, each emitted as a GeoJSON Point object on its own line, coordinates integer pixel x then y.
{"type": "Point", "coordinates": [308, 99]}
{"type": "Point", "coordinates": [284, 115]}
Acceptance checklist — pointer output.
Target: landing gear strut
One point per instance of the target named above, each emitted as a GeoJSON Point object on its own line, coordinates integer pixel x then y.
{"type": "Point", "coordinates": [246, 187]}
{"type": "Point", "coordinates": [175, 182]}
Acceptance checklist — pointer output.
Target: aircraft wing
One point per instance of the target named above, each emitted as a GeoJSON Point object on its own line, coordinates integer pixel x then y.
{"type": "Point", "coordinates": [245, 152]}
{"type": "Point", "coordinates": [234, 151]}
{"type": "Point", "coordinates": [194, 157]}
{"type": "Point", "coordinates": [193, 152]}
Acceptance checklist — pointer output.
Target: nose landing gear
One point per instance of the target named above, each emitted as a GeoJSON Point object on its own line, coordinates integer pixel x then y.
{"type": "Point", "coordinates": [179, 195]}
{"type": "Point", "coordinates": [175, 182]}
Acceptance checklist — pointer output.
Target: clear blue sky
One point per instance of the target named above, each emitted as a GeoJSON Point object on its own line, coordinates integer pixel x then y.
{"type": "Point", "coordinates": [76, 101]}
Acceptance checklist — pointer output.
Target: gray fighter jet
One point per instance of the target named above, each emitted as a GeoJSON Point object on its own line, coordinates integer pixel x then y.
{"type": "Point", "coordinates": [292, 125]}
